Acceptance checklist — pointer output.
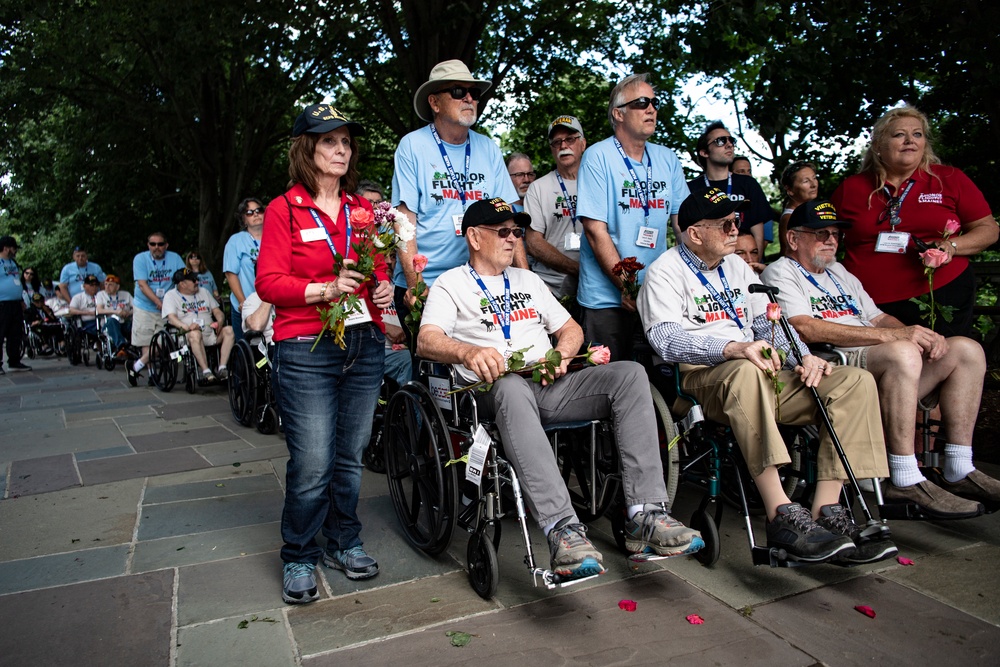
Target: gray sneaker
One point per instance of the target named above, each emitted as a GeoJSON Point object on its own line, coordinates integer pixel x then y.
{"type": "Point", "coordinates": [355, 563]}
{"type": "Point", "coordinates": [299, 583]}
{"type": "Point", "coordinates": [794, 530]}
{"type": "Point", "coordinates": [572, 554]}
{"type": "Point", "coordinates": [839, 521]}
{"type": "Point", "coordinates": [654, 531]}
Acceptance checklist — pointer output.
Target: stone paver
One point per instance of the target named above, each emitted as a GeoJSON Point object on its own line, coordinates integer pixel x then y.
{"type": "Point", "coordinates": [140, 465]}
{"type": "Point", "coordinates": [264, 641]}
{"type": "Point", "coordinates": [206, 547]}
{"type": "Point", "coordinates": [40, 475]}
{"type": "Point", "coordinates": [198, 516]}
{"type": "Point", "coordinates": [60, 569]}
{"type": "Point", "coordinates": [173, 439]}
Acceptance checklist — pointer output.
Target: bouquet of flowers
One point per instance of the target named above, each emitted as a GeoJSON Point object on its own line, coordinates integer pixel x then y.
{"type": "Point", "coordinates": [419, 291]}
{"type": "Point", "coordinates": [544, 368]}
{"type": "Point", "coordinates": [932, 259]}
{"type": "Point", "coordinates": [378, 232]}
{"type": "Point", "coordinates": [773, 316]}
{"type": "Point", "coordinates": [628, 271]}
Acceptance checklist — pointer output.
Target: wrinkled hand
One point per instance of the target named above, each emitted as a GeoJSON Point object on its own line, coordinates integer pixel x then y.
{"type": "Point", "coordinates": [754, 353]}
{"type": "Point", "coordinates": [560, 370]}
{"type": "Point", "coordinates": [813, 369]}
{"type": "Point", "coordinates": [347, 282]}
{"type": "Point", "coordinates": [410, 299]}
{"type": "Point", "coordinates": [628, 303]}
{"type": "Point", "coordinates": [933, 344]}
{"type": "Point", "coordinates": [486, 363]}
{"type": "Point", "coordinates": [945, 246]}
{"type": "Point", "coordinates": [382, 294]}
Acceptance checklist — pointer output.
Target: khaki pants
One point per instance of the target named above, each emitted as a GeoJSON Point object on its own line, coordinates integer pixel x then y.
{"type": "Point", "coordinates": [739, 394]}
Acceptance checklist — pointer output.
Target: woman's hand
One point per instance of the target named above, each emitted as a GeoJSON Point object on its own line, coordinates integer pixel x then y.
{"type": "Point", "coordinates": [346, 283]}
{"type": "Point", "coordinates": [382, 294]}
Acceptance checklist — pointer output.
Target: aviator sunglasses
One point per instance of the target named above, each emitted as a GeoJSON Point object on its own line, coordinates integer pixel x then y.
{"type": "Point", "coordinates": [641, 103]}
{"type": "Point", "coordinates": [459, 92]}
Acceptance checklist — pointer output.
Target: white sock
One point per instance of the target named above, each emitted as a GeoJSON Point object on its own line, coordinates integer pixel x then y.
{"type": "Point", "coordinates": [138, 365]}
{"type": "Point", "coordinates": [207, 371]}
{"type": "Point", "coordinates": [222, 367]}
{"type": "Point", "coordinates": [903, 470]}
{"type": "Point", "coordinates": [957, 462]}
{"type": "Point", "coordinates": [635, 509]}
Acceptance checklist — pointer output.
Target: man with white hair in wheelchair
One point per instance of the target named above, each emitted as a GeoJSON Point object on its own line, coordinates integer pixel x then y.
{"type": "Point", "coordinates": [194, 311]}
{"type": "Point", "coordinates": [477, 315]}
{"type": "Point", "coordinates": [697, 310]}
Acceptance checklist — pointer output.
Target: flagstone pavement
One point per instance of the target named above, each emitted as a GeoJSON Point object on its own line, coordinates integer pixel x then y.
{"type": "Point", "coordinates": [142, 528]}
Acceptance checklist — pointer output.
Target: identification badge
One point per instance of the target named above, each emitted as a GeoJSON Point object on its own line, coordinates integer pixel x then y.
{"type": "Point", "coordinates": [477, 455]}
{"type": "Point", "coordinates": [571, 241]}
{"type": "Point", "coordinates": [200, 322]}
{"type": "Point", "coordinates": [359, 317]}
{"type": "Point", "coordinates": [457, 221]}
{"type": "Point", "coordinates": [894, 242]}
{"type": "Point", "coordinates": [311, 234]}
{"type": "Point", "coordinates": [647, 237]}
{"type": "Point", "coordinates": [160, 292]}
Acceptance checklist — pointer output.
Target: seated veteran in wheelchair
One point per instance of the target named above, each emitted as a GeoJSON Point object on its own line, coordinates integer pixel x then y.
{"type": "Point", "coordinates": [697, 310]}
{"type": "Point", "coordinates": [476, 316]}
{"type": "Point", "coordinates": [912, 365]}
{"type": "Point", "coordinates": [195, 311]}
{"type": "Point", "coordinates": [258, 315]}
{"type": "Point", "coordinates": [116, 304]}
{"type": "Point", "coordinates": [84, 304]}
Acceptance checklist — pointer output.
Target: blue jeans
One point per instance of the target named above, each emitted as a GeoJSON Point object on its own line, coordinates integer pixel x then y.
{"type": "Point", "coordinates": [118, 333]}
{"type": "Point", "coordinates": [397, 366]}
{"type": "Point", "coordinates": [327, 400]}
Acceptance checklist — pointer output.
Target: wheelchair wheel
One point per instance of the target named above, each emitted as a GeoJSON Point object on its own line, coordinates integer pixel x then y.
{"type": "Point", "coordinates": [422, 487]}
{"type": "Point", "coordinates": [373, 457]}
{"type": "Point", "coordinates": [73, 346]}
{"type": "Point", "coordinates": [242, 383]}
{"type": "Point", "coordinates": [162, 367]}
{"type": "Point", "coordinates": [703, 521]}
{"type": "Point", "coordinates": [666, 432]}
{"type": "Point", "coordinates": [267, 420]}
{"type": "Point", "coordinates": [484, 569]}
{"type": "Point", "coordinates": [109, 363]}
{"type": "Point", "coordinates": [574, 463]}
{"type": "Point", "coordinates": [85, 349]}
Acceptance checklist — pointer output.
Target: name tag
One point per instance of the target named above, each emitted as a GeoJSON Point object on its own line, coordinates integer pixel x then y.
{"type": "Point", "coordinates": [647, 237]}
{"type": "Point", "coordinates": [571, 241]}
{"type": "Point", "coordinates": [359, 317]}
{"type": "Point", "coordinates": [457, 221]}
{"type": "Point", "coordinates": [160, 292]}
{"type": "Point", "coordinates": [894, 242]}
{"type": "Point", "coordinates": [311, 234]}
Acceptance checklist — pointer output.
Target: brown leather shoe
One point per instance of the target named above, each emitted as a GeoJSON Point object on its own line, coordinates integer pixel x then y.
{"type": "Point", "coordinates": [933, 501]}
{"type": "Point", "coordinates": [976, 486]}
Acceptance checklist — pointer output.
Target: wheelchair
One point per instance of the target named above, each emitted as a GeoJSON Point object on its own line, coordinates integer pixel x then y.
{"type": "Point", "coordinates": [251, 396]}
{"type": "Point", "coordinates": [33, 345]}
{"type": "Point", "coordinates": [78, 341]}
{"type": "Point", "coordinates": [171, 360]}
{"type": "Point", "coordinates": [425, 450]}
{"type": "Point", "coordinates": [105, 350]}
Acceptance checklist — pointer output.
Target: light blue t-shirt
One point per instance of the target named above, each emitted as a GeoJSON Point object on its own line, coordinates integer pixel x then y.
{"type": "Point", "coordinates": [158, 273]}
{"type": "Point", "coordinates": [10, 281]}
{"type": "Point", "coordinates": [207, 280]}
{"type": "Point", "coordinates": [606, 192]}
{"type": "Point", "coordinates": [240, 258]}
{"type": "Point", "coordinates": [73, 276]}
{"type": "Point", "coordinates": [420, 180]}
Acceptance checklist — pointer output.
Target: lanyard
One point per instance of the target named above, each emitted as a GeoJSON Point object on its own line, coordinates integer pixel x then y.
{"type": "Point", "coordinates": [643, 194]}
{"type": "Point", "coordinates": [326, 234]}
{"type": "Point", "coordinates": [894, 208]}
{"type": "Point", "coordinates": [569, 204]}
{"type": "Point", "coordinates": [452, 176]}
{"type": "Point", "coordinates": [810, 278]}
{"type": "Point", "coordinates": [729, 184]}
{"type": "Point", "coordinates": [503, 314]}
{"type": "Point", "coordinates": [726, 304]}
{"type": "Point", "coordinates": [10, 268]}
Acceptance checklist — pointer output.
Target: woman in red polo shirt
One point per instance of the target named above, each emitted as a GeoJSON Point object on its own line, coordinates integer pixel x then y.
{"type": "Point", "coordinates": [904, 192]}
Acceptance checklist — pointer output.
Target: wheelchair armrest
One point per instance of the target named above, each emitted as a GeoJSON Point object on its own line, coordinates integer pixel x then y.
{"type": "Point", "coordinates": [252, 335]}
{"type": "Point", "coordinates": [828, 352]}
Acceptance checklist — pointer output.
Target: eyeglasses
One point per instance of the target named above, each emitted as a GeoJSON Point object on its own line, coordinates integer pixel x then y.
{"type": "Point", "coordinates": [568, 141]}
{"type": "Point", "coordinates": [641, 103]}
{"type": "Point", "coordinates": [822, 235]}
{"type": "Point", "coordinates": [459, 92]}
{"type": "Point", "coordinates": [504, 232]}
{"type": "Point", "coordinates": [891, 212]}
{"type": "Point", "coordinates": [157, 244]}
{"type": "Point", "coordinates": [194, 257]}
{"type": "Point", "coordinates": [727, 225]}
{"type": "Point", "coordinates": [722, 141]}
{"type": "Point", "coordinates": [523, 174]}
{"type": "Point", "coordinates": [254, 211]}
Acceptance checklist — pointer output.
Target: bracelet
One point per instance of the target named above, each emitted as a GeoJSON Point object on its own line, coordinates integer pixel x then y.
{"type": "Point", "coordinates": [322, 295]}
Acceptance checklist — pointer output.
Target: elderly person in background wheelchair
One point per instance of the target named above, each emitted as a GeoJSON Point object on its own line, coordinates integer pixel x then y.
{"type": "Point", "coordinates": [911, 364]}
{"type": "Point", "coordinates": [116, 305]}
{"type": "Point", "coordinates": [476, 316]}
{"type": "Point", "coordinates": [84, 305]}
{"type": "Point", "coordinates": [194, 311]}
{"type": "Point", "coordinates": [697, 310]}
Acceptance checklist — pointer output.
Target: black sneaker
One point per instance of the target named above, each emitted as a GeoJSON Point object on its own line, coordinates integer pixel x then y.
{"type": "Point", "coordinates": [794, 530]}
{"type": "Point", "coordinates": [17, 366]}
{"type": "Point", "coordinates": [839, 521]}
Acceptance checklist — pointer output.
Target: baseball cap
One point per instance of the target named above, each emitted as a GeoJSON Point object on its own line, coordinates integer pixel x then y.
{"type": "Point", "coordinates": [816, 214]}
{"type": "Point", "coordinates": [710, 204]}
{"type": "Point", "coordinates": [492, 212]}
{"type": "Point", "coordinates": [323, 118]}
{"type": "Point", "coordinates": [184, 274]}
{"type": "Point", "coordinates": [112, 278]}
{"type": "Point", "coordinates": [91, 279]}
{"type": "Point", "coordinates": [569, 122]}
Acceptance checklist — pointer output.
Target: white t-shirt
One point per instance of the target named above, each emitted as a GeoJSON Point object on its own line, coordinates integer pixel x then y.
{"type": "Point", "coordinates": [83, 301]}
{"type": "Point", "coordinates": [551, 216]}
{"type": "Point", "coordinates": [459, 307]}
{"type": "Point", "coordinates": [250, 305]}
{"type": "Point", "coordinates": [121, 298]}
{"type": "Point", "coordinates": [798, 296]}
{"type": "Point", "coordinates": [197, 307]}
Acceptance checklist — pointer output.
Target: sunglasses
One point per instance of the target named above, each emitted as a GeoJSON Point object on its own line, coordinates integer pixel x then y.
{"type": "Point", "coordinates": [822, 235]}
{"type": "Point", "coordinates": [727, 225]}
{"type": "Point", "coordinates": [722, 141]}
{"type": "Point", "coordinates": [254, 211]}
{"type": "Point", "coordinates": [157, 244]}
{"type": "Point", "coordinates": [194, 257]}
{"type": "Point", "coordinates": [568, 141]}
{"type": "Point", "coordinates": [459, 92]}
{"type": "Point", "coordinates": [504, 232]}
{"type": "Point", "coordinates": [641, 103]}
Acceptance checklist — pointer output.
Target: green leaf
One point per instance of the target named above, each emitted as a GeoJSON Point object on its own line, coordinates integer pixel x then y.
{"type": "Point", "coordinates": [536, 376]}
{"type": "Point", "coordinates": [435, 599]}
{"type": "Point", "coordinates": [243, 624]}
{"type": "Point", "coordinates": [459, 638]}
{"type": "Point", "coordinates": [554, 357]}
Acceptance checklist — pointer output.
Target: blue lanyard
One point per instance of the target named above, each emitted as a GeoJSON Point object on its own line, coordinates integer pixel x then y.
{"type": "Point", "coordinates": [452, 176]}
{"type": "Point", "coordinates": [569, 204]}
{"type": "Point", "coordinates": [726, 304]}
{"type": "Point", "coordinates": [729, 184]}
{"type": "Point", "coordinates": [643, 194]}
{"type": "Point", "coordinates": [326, 234]}
{"type": "Point", "coordinates": [894, 219]}
{"type": "Point", "coordinates": [810, 278]}
{"type": "Point", "coordinates": [11, 268]}
{"type": "Point", "coordinates": [503, 314]}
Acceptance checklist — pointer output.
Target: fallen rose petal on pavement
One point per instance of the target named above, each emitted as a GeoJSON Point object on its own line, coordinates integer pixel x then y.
{"type": "Point", "coordinates": [866, 610]}
{"type": "Point", "coordinates": [627, 605]}
{"type": "Point", "coordinates": [694, 619]}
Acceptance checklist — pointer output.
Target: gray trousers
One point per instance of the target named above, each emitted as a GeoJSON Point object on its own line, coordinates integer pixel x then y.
{"type": "Point", "coordinates": [619, 390]}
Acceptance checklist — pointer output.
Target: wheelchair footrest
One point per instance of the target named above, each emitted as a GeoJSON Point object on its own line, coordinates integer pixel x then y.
{"type": "Point", "coordinates": [552, 580]}
{"type": "Point", "coordinates": [697, 544]}
{"type": "Point", "coordinates": [774, 557]}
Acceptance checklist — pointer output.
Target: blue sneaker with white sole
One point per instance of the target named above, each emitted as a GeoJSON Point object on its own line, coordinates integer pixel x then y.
{"type": "Point", "coordinates": [299, 583]}
{"type": "Point", "coordinates": [572, 554]}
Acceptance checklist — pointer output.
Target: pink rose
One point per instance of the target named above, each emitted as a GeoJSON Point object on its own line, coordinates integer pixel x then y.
{"type": "Point", "coordinates": [952, 227]}
{"type": "Point", "coordinates": [934, 257]}
{"type": "Point", "coordinates": [361, 218]}
{"type": "Point", "coordinates": [419, 263]}
{"type": "Point", "coordinates": [773, 312]}
{"type": "Point", "coordinates": [598, 355]}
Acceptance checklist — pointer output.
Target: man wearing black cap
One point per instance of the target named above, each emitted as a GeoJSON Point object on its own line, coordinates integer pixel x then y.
{"type": "Point", "coordinates": [477, 315]}
{"type": "Point", "coordinates": [697, 310]}
{"type": "Point", "coordinates": [84, 304]}
{"type": "Point", "coordinates": [825, 303]}
{"type": "Point", "coordinates": [11, 306]}
{"type": "Point", "coordinates": [195, 311]}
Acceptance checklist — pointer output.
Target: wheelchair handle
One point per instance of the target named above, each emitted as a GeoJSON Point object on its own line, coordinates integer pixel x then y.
{"type": "Point", "coordinates": [756, 288]}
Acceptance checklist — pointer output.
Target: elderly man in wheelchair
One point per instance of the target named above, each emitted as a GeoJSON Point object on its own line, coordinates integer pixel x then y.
{"type": "Point", "coordinates": [195, 311]}
{"type": "Point", "coordinates": [477, 315]}
{"type": "Point", "coordinates": [912, 365]}
{"type": "Point", "coordinates": [698, 310]}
